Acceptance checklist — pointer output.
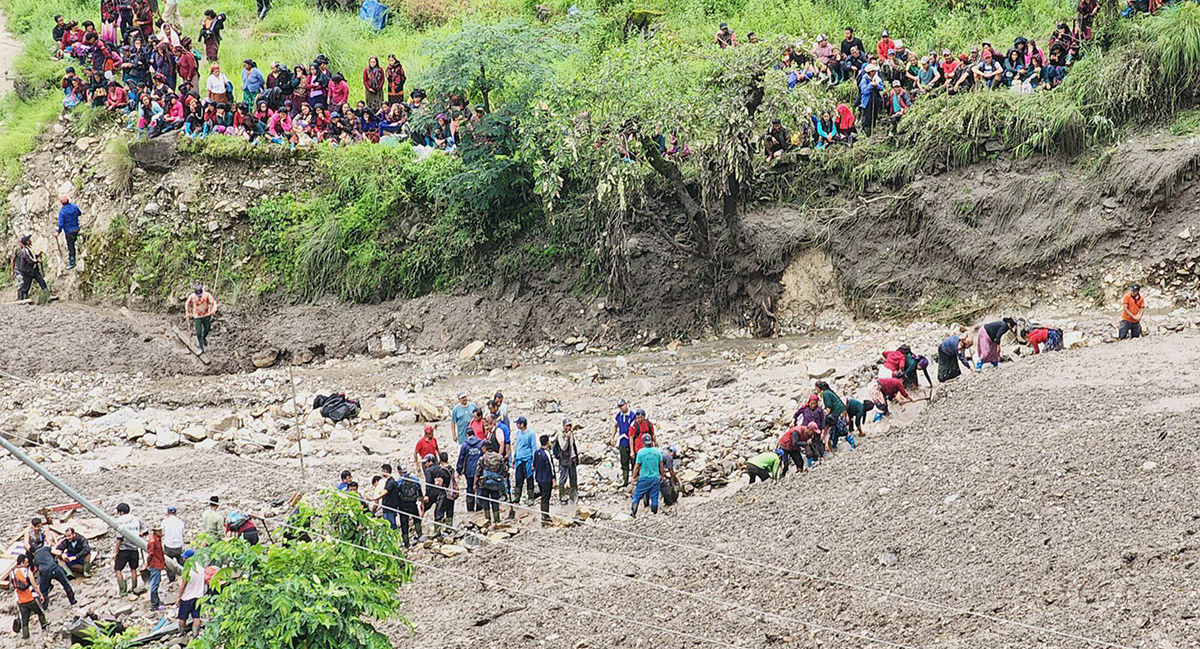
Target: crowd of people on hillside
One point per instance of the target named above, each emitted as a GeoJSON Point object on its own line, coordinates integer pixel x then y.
{"type": "Point", "coordinates": [890, 77]}
{"type": "Point", "coordinates": [142, 66]}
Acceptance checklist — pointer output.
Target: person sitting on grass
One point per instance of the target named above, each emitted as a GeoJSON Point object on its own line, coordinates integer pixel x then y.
{"type": "Point", "coordinates": [777, 140]}
{"type": "Point", "coordinates": [1014, 67]}
{"type": "Point", "coordinates": [827, 132]}
{"type": "Point", "coordinates": [924, 78]}
{"type": "Point", "coordinates": [898, 101]}
{"type": "Point", "coordinates": [988, 72]}
{"type": "Point", "coordinates": [116, 97]}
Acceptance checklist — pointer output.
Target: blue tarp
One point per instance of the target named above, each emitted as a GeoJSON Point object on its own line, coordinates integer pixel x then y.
{"type": "Point", "coordinates": [375, 13]}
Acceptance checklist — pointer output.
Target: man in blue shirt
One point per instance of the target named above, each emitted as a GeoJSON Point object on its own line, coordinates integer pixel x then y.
{"type": "Point", "coordinates": [68, 225]}
{"type": "Point", "coordinates": [460, 417]}
{"type": "Point", "coordinates": [624, 419]}
{"type": "Point", "coordinates": [524, 447]}
{"type": "Point", "coordinates": [870, 96]}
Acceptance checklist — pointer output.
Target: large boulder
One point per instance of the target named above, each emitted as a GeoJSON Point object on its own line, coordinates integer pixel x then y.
{"type": "Point", "coordinates": [265, 357]}
{"type": "Point", "coordinates": [158, 154]}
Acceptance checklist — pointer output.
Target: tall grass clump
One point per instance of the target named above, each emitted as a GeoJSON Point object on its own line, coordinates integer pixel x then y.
{"type": "Point", "coordinates": [1178, 38]}
{"type": "Point", "coordinates": [118, 164]}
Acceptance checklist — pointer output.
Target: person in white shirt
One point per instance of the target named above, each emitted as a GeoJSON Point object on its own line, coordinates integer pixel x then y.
{"type": "Point", "coordinates": [191, 589]}
{"type": "Point", "coordinates": [172, 529]}
{"type": "Point", "coordinates": [217, 85]}
{"type": "Point", "coordinates": [127, 555]}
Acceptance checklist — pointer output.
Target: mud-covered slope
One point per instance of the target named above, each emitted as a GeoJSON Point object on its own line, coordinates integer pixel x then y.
{"type": "Point", "coordinates": [991, 228]}
{"type": "Point", "coordinates": [1057, 493]}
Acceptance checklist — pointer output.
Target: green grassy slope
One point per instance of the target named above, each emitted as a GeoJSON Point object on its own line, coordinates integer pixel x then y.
{"type": "Point", "coordinates": [551, 187]}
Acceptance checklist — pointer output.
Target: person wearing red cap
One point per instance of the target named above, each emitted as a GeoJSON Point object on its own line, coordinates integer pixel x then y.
{"type": "Point", "coordinates": [426, 445]}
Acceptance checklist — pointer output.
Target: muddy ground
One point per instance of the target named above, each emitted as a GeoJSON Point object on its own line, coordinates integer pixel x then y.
{"type": "Point", "coordinates": [1039, 492]}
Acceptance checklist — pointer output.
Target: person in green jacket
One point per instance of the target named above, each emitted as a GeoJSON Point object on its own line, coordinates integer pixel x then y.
{"type": "Point", "coordinates": [835, 416]}
{"type": "Point", "coordinates": [764, 465]}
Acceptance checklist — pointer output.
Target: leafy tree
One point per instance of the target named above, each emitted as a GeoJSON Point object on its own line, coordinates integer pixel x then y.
{"type": "Point", "coordinates": [312, 591]}
{"type": "Point", "coordinates": [506, 61]}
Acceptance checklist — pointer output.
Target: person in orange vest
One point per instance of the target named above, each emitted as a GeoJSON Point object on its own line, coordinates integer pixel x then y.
{"type": "Point", "coordinates": [1133, 306]}
{"type": "Point", "coordinates": [29, 596]}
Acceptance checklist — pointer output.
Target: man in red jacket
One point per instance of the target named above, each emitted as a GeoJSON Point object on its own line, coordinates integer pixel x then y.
{"type": "Point", "coordinates": [641, 426]}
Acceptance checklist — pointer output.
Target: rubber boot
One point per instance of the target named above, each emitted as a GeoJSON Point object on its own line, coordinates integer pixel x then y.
{"type": "Point", "coordinates": [850, 441]}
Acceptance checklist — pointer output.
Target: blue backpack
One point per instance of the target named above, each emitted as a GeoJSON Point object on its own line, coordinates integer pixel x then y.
{"type": "Point", "coordinates": [493, 481]}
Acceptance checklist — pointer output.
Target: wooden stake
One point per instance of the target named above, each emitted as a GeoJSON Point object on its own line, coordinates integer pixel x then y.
{"type": "Point", "coordinates": [299, 419]}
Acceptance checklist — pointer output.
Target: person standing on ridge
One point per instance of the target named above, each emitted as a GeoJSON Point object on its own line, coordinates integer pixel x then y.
{"type": "Point", "coordinates": [199, 310]}
{"type": "Point", "coordinates": [68, 226]}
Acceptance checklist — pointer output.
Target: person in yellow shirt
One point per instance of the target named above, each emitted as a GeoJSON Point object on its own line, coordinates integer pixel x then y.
{"type": "Point", "coordinates": [1133, 307]}
{"type": "Point", "coordinates": [199, 311]}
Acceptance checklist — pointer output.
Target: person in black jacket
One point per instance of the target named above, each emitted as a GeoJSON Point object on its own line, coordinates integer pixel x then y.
{"type": "Point", "coordinates": [210, 33]}
{"type": "Point", "coordinates": [543, 475]}
{"type": "Point", "coordinates": [27, 268]}
{"type": "Point", "coordinates": [74, 551]}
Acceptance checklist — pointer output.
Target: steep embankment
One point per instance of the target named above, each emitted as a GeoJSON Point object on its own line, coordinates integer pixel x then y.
{"type": "Point", "coordinates": [1072, 515]}
{"type": "Point", "coordinates": [1008, 231]}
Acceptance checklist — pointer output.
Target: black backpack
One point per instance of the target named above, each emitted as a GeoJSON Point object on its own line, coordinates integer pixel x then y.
{"type": "Point", "coordinates": [410, 491]}
{"type": "Point", "coordinates": [337, 407]}
{"type": "Point", "coordinates": [669, 494]}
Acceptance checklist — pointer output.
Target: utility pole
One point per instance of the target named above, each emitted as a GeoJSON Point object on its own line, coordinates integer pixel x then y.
{"type": "Point", "coordinates": [172, 566]}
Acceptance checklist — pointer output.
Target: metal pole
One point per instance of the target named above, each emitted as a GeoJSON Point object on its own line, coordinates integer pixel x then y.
{"type": "Point", "coordinates": [172, 566]}
{"type": "Point", "coordinates": [299, 421]}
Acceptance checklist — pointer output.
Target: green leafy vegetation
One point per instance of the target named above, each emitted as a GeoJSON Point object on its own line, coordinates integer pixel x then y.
{"type": "Point", "coordinates": [104, 636]}
{"type": "Point", "coordinates": [334, 576]}
{"type": "Point", "coordinates": [567, 160]}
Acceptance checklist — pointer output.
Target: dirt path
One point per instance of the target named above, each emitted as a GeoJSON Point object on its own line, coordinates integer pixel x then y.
{"type": "Point", "coordinates": [10, 48]}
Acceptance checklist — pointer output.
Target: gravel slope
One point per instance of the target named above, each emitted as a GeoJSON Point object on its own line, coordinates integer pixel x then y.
{"type": "Point", "coordinates": [1039, 492]}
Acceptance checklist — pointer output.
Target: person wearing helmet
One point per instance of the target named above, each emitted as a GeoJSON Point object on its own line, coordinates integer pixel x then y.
{"type": "Point", "coordinates": [725, 37]}
{"type": "Point", "coordinates": [239, 524]}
